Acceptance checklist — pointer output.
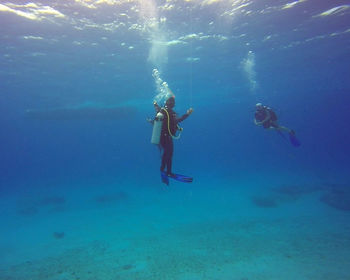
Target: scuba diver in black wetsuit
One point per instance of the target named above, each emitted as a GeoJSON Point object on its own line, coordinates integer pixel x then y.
{"type": "Point", "coordinates": [266, 117]}
{"type": "Point", "coordinates": [168, 131]}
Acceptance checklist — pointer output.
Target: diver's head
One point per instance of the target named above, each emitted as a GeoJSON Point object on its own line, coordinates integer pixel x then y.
{"type": "Point", "coordinates": [258, 106]}
{"type": "Point", "coordinates": [170, 103]}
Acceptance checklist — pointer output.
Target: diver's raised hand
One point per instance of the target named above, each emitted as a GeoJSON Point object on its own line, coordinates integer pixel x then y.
{"type": "Point", "coordinates": [189, 111]}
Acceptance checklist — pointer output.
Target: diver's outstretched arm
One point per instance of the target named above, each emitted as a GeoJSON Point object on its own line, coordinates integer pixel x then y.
{"type": "Point", "coordinates": [185, 116]}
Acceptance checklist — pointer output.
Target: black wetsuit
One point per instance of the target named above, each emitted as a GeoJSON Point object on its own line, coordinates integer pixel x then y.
{"type": "Point", "coordinates": [166, 141]}
{"type": "Point", "coordinates": [261, 115]}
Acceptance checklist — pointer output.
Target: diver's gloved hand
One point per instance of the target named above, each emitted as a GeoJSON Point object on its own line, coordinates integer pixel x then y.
{"type": "Point", "coordinates": [189, 111]}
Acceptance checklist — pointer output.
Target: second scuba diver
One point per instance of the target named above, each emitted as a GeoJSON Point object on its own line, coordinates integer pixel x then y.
{"type": "Point", "coordinates": [267, 118]}
{"type": "Point", "coordinates": [169, 128]}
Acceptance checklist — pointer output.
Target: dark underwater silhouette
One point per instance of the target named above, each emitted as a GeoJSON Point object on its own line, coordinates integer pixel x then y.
{"type": "Point", "coordinates": [81, 113]}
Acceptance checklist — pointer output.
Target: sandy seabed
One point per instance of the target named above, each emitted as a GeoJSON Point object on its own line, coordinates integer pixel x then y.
{"type": "Point", "coordinates": [217, 237]}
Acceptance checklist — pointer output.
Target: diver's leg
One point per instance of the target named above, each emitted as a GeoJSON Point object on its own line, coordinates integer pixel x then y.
{"type": "Point", "coordinates": [162, 165]}
{"type": "Point", "coordinates": [164, 154]}
{"type": "Point", "coordinates": [170, 156]}
{"type": "Point", "coordinates": [284, 129]}
{"type": "Point", "coordinates": [276, 126]}
{"type": "Point", "coordinates": [167, 146]}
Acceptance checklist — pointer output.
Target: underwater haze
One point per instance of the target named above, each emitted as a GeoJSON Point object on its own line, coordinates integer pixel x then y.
{"type": "Point", "coordinates": [81, 196]}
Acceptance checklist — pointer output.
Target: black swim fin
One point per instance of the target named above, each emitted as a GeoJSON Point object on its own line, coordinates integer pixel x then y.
{"type": "Point", "coordinates": [292, 138]}
{"type": "Point", "coordinates": [181, 178]}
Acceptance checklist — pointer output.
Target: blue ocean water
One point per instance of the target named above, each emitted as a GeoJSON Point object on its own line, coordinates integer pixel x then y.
{"type": "Point", "coordinates": [80, 191]}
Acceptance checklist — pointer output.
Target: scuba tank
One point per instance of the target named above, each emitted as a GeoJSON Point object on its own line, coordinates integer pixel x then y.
{"type": "Point", "coordinates": [157, 128]}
